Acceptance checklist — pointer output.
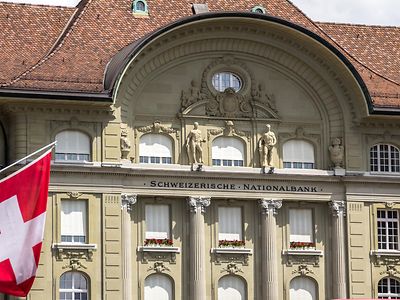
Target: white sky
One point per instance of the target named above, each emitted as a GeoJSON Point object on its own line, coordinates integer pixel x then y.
{"type": "Point", "coordinates": [377, 12]}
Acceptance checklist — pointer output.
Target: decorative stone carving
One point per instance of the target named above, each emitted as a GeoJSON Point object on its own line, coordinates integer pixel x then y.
{"type": "Point", "coordinates": [382, 258]}
{"type": "Point", "coordinates": [192, 95]}
{"type": "Point", "coordinates": [270, 206]}
{"type": "Point", "coordinates": [389, 204]}
{"type": "Point", "coordinates": [303, 270]}
{"type": "Point", "coordinates": [198, 204]}
{"type": "Point", "coordinates": [158, 267]}
{"type": "Point", "coordinates": [125, 144]}
{"type": "Point", "coordinates": [128, 200]}
{"type": "Point", "coordinates": [232, 268]}
{"type": "Point", "coordinates": [74, 264]}
{"type": "Point", "coordinates": [156, 127]}
{"type": "Point", "coordinates": [231, 258]}
{"type": "Point", "coordinates": [74, 195]}
{"type": "Point", "coordinates": [302, 260]}
{"type": "Point", "coordinates": [71, 251]}
{"type": "Point", "coordinates": [229, 104]}
{"type": "Point", "coordinates": [158, 256]}
{"type": "Point", "coordinates": [336, 150]}
{"type": "Point", "coordinates": [265, 147]}
{"type": "Point", "coordinates": [259, 94]}
{"type": "Point", "coordinates": [228, 130]}
{"type": "Point", "coordinates": [338, 208]}
{"type": "Point", "coordinates": [251, 100]}
{"type": "Point", "coordinates": [390, 271]}
{"type": "Point", "coordinates": [194, 147]}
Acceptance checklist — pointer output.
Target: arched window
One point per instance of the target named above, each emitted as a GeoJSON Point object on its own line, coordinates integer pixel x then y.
{"type": "Point", "coordinates": [73, 286]}
{"type": "Point", "coordinates": [303, 288]}
{"type": "Point", "coordinates": [155, 149]}
{"type": "Point", "coordinates": [384, 158]}
{"type": "Point", "coordinates": [298, 154]}
{"type": "Point", "coordinates": [158, 286]}
{"type": "Point", "coordinates": [388, 288]}
{"type": "Point", "coordinates": [72, 145]}
{"type": "Point", "coordinates": [231, 287]}
{"type": "Point", "coordinates": [227, 151]}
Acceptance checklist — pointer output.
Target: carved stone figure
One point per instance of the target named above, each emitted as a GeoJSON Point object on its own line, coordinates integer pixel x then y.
{"type": "Point", "coordinates": [194, 147]}
{"type": "Point", "coordinates": [192, 95]}
{"type": "Point", "coordinates": [265, 146]}
{"type": "Point", "coordinates": [260, 94]}
{"type": "Point", "coordinates": [336, 151]}
{"type": "Point", "coordinates": [125, 144]}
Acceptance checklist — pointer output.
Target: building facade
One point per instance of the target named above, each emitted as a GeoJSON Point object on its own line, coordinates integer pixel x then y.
{"type": "Point", "coordinates": [235, 154]}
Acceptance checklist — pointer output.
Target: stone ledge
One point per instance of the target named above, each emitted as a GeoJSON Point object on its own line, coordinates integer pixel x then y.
{"type": "Point", "coordinates": [380, 253]}
{"type": "Point", "coordinates": [159, 249]}
{"type": "Point", "coordinates": [303, 252]}
{"type": "Point", "coordinates": [73, 250]}
{"type": "Point", "coordinates": [231, 250]}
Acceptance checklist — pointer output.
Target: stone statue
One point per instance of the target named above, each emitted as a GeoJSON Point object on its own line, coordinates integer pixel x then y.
{"type": "Point", "coordinates": [192, 95]}
{"type": "Point", "coordinates": [336, 151]}
{"type": "Point", "coordinates": [265, 146]}
{"type": "Point", "coordinates": [194, 148]}
{"type": "Point", "coordinates": [125, 144]}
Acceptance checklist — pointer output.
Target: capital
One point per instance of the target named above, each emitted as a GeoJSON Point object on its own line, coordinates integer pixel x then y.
{"type": "Point", "coordinates": [270, 206]}
{"type": "Point", "coordinates": [198, 204]}
{"type": "Point", "coordinates": [338, 208]}
{"type": "Point", "coordinates": [127, 201]}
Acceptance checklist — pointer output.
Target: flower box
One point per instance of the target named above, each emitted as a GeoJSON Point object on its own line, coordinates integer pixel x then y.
{"type": "Point", "coordinates": [158, 242]}
{"type": "Point", "coordinates": [302, 245]}
{"type": "Point", "coordinates": [231, 244]}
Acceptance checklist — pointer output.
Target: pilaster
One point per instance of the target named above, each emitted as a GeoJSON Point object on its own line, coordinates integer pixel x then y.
{"type": "Point", "coordinates": [197, 206]}
{"type": "Point", "coordinates": [338, 209]}
{"type": "Point", "coordinates": [270, 284]}
{"type": "Point", "coordinates": [127, 202]}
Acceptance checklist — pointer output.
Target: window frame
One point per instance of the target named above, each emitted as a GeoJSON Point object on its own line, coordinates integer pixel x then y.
{"type": "Point", "coordinates": [216, 83]}
{"type": "Point", "coordinates": [379, 167]}
{"type": "Point", "coordinates": [169, 232]}
{"type": "Point", "coordinates": [381, 295]}
{"type": "Point", "coordinates": [140, 12]}
{"type": "Point", "coordinates": [241, 234]}
{"type": "Point", "coordinates": [386, 220]}
{"type": "Point", "coordinates": [313, 227]}
{"type": "Point", "coordinates": [220, 162]}
{"type": "Point", "coordinates": [86, 223]}
{"type": "Point", "coordinates": [299, 164]}
{"type": "Point", "coordinates": [89, 153]}
{"type": "Point", "coordinates": [163, 160]}
{"type": "Point", "coordinates": [72, 290]}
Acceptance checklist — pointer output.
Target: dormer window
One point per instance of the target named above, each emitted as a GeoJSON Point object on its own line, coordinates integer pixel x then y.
{"type": "Point", "coordinates": [258, 9]}
{"type": "Point", "coordinates": [139, 7]}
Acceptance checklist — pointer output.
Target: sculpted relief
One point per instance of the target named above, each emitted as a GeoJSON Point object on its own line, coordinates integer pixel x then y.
{"type": "Point", "coordinates": [238, 97]}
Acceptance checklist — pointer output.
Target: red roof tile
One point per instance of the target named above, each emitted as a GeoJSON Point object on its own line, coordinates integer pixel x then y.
{"type": "Point", "coordinates": [100, 28]}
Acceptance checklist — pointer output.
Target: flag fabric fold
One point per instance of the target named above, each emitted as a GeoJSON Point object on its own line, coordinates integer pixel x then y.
{"type": "Point", "coordinates": [23, 202]}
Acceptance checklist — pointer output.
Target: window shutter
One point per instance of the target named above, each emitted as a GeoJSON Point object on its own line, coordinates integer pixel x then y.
{"type": "Point", "coordinates": [73, 217]}
{"type": "Point", "coordinates": [156, 145]}
{"type": "Point", "coordinates": [227, 148]}
{"type": "Point", "coordinates": [230, 223]}
{"type": "Point", "coordinates": [72, 141]}
{"type": "Point", "coordinates": [298, 151]}
{"type": "Point", "coordinates": [301, 225]}
{"type": "Point", "coordinates": [157, 222]}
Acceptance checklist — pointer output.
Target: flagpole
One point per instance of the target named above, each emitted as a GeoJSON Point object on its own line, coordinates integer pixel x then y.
{"type": "Point", "coordinates": [30, 155]}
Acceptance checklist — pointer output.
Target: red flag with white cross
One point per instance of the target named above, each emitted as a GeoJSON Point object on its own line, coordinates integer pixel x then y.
{"type": "Point", "coordinates": [23, 201]}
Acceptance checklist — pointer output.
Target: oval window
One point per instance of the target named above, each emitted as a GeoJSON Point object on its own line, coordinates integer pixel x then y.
{"type": "Point", "coordinates": [223, 80]}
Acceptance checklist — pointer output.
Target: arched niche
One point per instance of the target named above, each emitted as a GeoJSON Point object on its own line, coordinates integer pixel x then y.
{"type": "Point", "coordinates": [311, 84]}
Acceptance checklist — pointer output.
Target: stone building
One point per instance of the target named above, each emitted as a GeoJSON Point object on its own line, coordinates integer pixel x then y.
{"type": "Point", "coordinates": [167, 182]}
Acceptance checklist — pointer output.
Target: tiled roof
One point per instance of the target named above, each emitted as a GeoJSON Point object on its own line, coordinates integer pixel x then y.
{"type": "Point", "coordinates": [82, 41]}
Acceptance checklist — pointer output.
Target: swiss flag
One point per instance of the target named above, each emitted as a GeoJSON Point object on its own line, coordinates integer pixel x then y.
{"type": "Point", "coordinates": [23, 201]}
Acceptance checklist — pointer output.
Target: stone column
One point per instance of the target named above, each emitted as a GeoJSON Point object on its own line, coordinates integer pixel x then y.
{"type": "Point", "coordinates": [269, 264]}
{"type": "Point", "coordinates": [197, 206]}
{"type": "Point", "coordinates": [127, 201]}
{"type": "Point", "coordinates": [339, 249]}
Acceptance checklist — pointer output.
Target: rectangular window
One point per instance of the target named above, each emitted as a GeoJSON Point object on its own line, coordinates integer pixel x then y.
{"type": "Point", "coordinates": [158, 222]}
{"type": "Point", "coordinates": [73, 221]}
{"type": "Point", "coordinates": [388, 229]}
{"type": "Point", "coordinates": [230, 223]}
{"type": "Point", "coordinates": [301, 228]}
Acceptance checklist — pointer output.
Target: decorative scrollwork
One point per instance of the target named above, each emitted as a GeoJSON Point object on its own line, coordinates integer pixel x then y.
{"type": "Point", "coordinates": [159, 267]}
{"type": "Point", "coordinates": [232, 268]}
